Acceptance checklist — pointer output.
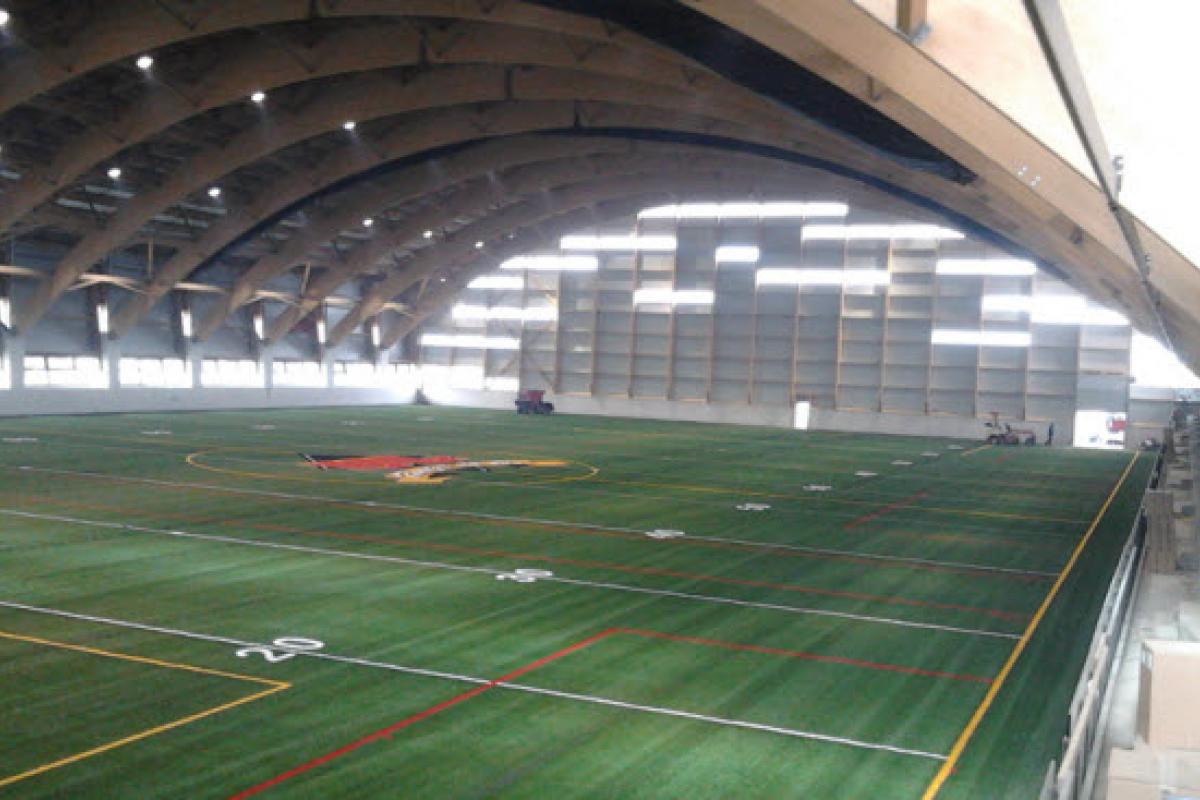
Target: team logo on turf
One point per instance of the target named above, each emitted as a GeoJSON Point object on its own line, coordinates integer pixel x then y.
{"type": "Point", "coordinates": [419, 469]}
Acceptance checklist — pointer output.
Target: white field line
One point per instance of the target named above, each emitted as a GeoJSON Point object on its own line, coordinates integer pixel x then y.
{"type": "Point", "coordinates": [768, 546]}
{"type": "Point", "coordinates": [452, 676]}
{"type": "Point", "coordinates": [620, 587]}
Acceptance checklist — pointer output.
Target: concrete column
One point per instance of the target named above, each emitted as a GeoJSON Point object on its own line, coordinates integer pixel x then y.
{"type": "Point", "coordinates": [14, 351]}
{"type": "Point", "coordinates": [110, 353]}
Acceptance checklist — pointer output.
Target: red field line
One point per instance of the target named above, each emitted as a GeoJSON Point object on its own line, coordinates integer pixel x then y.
{"type": "Point", "coordinates": [415, 718]}
{"type": "Point", "coordinates": [879, 512]}
{"type": "Point", "coordinates": [800, 654]}
{"type": "Point", "coordinates": [589, 564]}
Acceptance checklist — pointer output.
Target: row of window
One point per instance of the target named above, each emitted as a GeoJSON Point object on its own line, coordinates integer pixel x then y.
{"type": "Point", "coordinates": [87, 372]}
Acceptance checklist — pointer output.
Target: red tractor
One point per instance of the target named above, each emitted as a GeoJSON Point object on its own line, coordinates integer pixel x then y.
{"type": "Point", "coordinates": [531, 401]}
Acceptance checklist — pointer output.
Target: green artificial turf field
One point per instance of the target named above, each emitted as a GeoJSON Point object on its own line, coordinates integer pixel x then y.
{"type": "Point", "coordinates": [189, 608]}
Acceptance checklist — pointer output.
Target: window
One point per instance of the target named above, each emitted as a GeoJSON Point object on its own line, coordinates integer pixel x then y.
{"type": "Point", "coordinates": [298, 374]}
{"type": "Point", "coordinates": [459, 376]}
{"type": "Point", "coordinates": [365, 375]}
{"type": "Point", "coordinates": [155, 373]}
{"type": "Point", "coordinates": [231, 373]}
{"type": "Point", "coordinates": [499, 384]}
{"type": "Point", "coordinates": [65, 372]}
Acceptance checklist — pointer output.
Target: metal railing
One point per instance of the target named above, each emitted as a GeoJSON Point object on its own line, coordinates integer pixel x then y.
{"type": "Point", "coordinates": [1071, 776]}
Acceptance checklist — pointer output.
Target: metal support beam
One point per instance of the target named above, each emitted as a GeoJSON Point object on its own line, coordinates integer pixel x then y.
{"type": "Point", "coordinates": [1055, 39]}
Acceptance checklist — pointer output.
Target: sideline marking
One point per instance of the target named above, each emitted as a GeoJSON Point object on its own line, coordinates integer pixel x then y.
{"type": "Point", "coordinates": [519, 687]}
{"type": "Point", "coordinates": [935, 786]}
{"type": "Point", "coordinates": [492, 571]}
{"type": "Point", "coordinates": [274, 686]}
{"type": "Point", "coordinates": [549, 523]}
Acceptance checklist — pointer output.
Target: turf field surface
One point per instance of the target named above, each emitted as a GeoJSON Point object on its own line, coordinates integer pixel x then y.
{"type": "Point", "coordinates": [189, 608]}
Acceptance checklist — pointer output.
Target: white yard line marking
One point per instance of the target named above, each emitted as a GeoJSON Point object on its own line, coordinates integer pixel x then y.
{"type": "Point", "coordinates": [492, 571]}
{"type": "Point", "coordinates": [535, 521]}
{"type": "Point", "coordinates": [452, 676]}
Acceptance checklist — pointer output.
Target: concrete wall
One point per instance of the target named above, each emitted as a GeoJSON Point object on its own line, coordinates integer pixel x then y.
{"type": "Point", "coordinates": [734, 414]}
{"type": "Point", "coordinates": [859, 356]}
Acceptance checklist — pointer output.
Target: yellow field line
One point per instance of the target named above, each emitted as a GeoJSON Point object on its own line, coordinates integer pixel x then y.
{"type": "Point", "coordinates": [976, 450]}
{"type": "Point", "coordinates": [960, 744]}
{"type": "Point", "coordinates": [155, 662]}
{"type": "Point", "coordinates": [62, 762]}
{"type": "Point", "coordinates": [274, 686]}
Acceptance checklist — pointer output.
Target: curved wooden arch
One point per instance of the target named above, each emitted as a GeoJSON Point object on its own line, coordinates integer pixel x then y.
{"type": "Point", "coordinates": [491, 158]}
{"type": "Point", "coordinates": [426, 132]}
{"type": "Point", "coordinates": [129, 28]}
{"type": "Point", "coordinates": [478, 162]}
{"type": "Point", "coordinates": [247, 67]}
{"type": "Point", "coordinates": [471, 198]}
{"type": "Point", "coordinates": [364, 100]}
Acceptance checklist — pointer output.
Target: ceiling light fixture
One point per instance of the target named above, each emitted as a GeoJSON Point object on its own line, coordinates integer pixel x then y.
{"type": "Point", "coordinates": [114, 173]}
{"type": "Point", "coordinates": [737, 254]}
{"type": "Point", "coordinates": [259, 97]}
{"type": "Point", "coordinates": [674, 297]}
{"type": "Point", "coordinates": [349, 125]}
{"type": "Point", "coordinates": [730, 211]}
{"type": "Point", "coordinates": [787, 276]}
{"type": "Point", "coordinates": [553, 263]}
{"type": "Point", "coordinates": [999, 267]}
{"type": "Point", "coordinates": [501, 282]}
{"type": "Point", "coordinates": [619, 243]}
{"type": "Point", "coordinates": [214, 192]}
{"type": "Point", "coordinates": [981, 338]}
{"type": "Point", "coordinates": [876, 232]}
{"type": "Point", "coordinates": [368, 222]}
{"type": "Point", "coordinates": [144, 63]}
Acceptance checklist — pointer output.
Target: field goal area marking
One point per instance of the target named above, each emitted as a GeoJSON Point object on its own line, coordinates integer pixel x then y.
{"type": "Point", "coordinates": [964, 738]}
{"type": "Point", "coordinates": [504, 681]}
{"type": "Point", "coordinates": [273, 687]}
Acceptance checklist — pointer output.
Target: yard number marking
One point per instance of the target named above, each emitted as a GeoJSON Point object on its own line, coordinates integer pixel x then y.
{"type": "Point", "coordinates": [525, 575]}
{"type": "Point", "coordinates": [753, 507]}
{"type": "Point", "coordinates": [290, 645]}
{"type": "Point", "coordinates": [817, 487]}
{"type": "Point", "coordinates": [664, 533]}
